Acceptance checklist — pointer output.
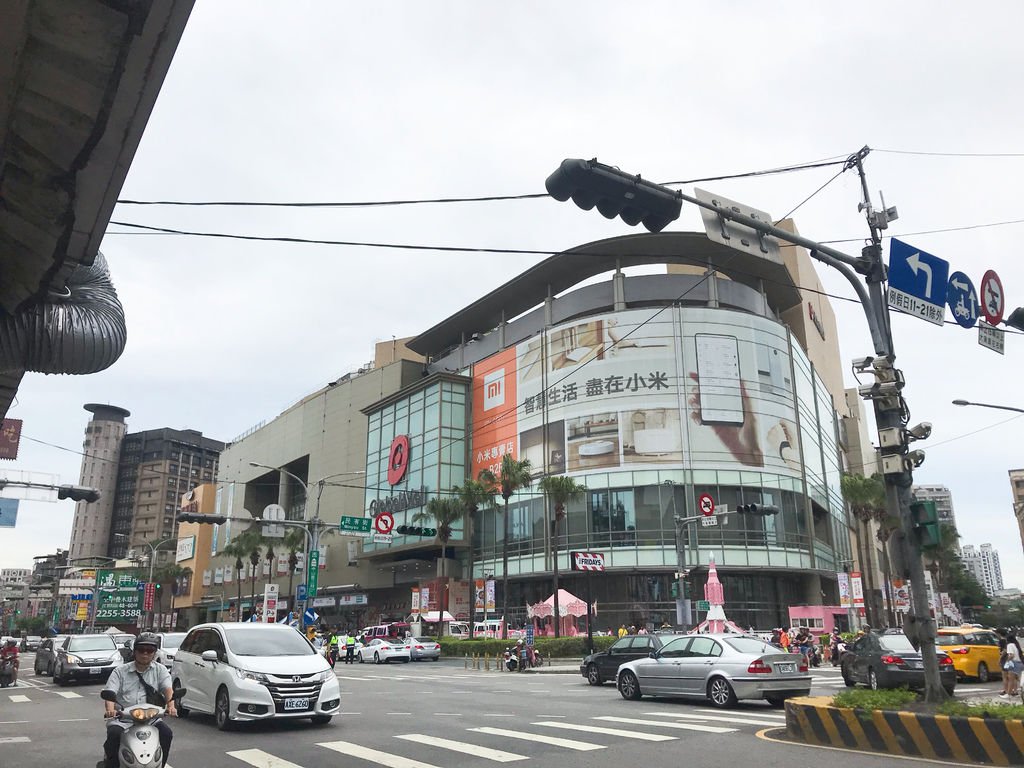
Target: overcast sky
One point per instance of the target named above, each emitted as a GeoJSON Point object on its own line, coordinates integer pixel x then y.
{"type": "Point", "coordinates": [404, 100]}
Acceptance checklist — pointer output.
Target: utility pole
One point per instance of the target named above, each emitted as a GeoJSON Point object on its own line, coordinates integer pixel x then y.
{"type": "Point", "coordinates": [590, 184]}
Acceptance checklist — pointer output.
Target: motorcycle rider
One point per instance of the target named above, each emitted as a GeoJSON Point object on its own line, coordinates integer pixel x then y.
{"type": "Point", "coordinates": [127, 683]}
{"type": "Point", "coordinates": [10, 651]}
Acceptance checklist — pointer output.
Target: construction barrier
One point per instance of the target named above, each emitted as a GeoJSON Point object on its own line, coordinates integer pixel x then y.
{"type": "Point", "coordinates": [814, 720]}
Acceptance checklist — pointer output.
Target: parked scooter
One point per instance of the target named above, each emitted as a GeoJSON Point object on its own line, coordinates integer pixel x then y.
{"type": "Point", "coordinates": [511, 662]}
{"type": "Point", "coordinates": [140, 742]}
{"type": "Point", "coordinates": [8, 673]}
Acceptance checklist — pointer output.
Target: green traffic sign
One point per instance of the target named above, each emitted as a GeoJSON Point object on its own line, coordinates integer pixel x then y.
{"type": "Point", "coordinates": [355, 524]}
{"type": "Point", "coordinates": [703, 605]}
{"type": "Point", "coordinates": [312, 571]}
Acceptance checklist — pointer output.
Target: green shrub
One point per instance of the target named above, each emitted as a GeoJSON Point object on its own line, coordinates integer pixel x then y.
{"type": "Point", "coordinates": [857, 698]}
{"type": "Point", "coordinates": [996, 710]}
{"type": "Point", "coordinates": [549, 647]}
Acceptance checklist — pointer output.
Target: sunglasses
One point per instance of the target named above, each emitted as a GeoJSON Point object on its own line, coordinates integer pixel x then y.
{"type": "Point", "coordinates": [145, 650]}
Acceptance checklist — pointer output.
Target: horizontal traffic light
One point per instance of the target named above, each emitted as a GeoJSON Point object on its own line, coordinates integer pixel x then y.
{"type": "Point", "coordinates": [415, 530]}
{"type": "Point", "coordinates": [763, 510]}
{"type": "Point", "coordinates": [195, 517]}
{"type": "Point", "coordinates": [78, 493]}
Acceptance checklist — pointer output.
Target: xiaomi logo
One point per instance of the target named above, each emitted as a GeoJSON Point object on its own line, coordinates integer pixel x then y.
{"type": "Point", "coordinates": [494, 389]}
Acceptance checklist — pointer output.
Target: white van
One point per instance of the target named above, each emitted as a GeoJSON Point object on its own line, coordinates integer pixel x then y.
{"type": "Point", "coordinates": [489, 628]}
{"type": "Point", "coordinates": [457, 629]}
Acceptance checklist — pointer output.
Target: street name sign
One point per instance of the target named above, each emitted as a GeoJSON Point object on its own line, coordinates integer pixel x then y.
{"type": "Point", "coordinates": [962, 299]}
{"type": "Point", "coordinates": [917, 282]}
{"type": "Point", "coordinates": [312, 572]}
{"type": "Point", "coordinates": [356, 526]}
{"type": "Point", "coordinates": [991, 338]}
{"type": "Point", "coordinates": [992, 297]}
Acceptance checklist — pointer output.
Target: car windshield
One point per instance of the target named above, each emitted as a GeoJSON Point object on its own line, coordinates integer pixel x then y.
{"type": "Point", "coordinates": [896, 643]}
{"type": "Point", "coordinates": [750, 645]}
{"type": "Point", "coordinates": [91, 644]}
{"type": "Point", "coordinates": [950, 640]}
{"type": "Point", "coordinates": [172, 641]}
{"type": "Point", "coordinates": [265, 641]}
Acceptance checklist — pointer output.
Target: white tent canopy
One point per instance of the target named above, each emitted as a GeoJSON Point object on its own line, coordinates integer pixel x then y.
{"type": "Point", "coordinates": [431, 617]}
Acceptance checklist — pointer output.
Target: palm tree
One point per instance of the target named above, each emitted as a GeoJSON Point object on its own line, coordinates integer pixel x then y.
{"type": "Point", "coordinates": [866, 497]}
{"type": "Point", "coordinates": [246, 545]}
{"type": "Point", "coordinates": [472, 495]}
{"type": "Point", "coordinates": [512, 476]}
{"type": "Point", "coordinates": [445, 513]}
{"type": "Point", "coordinates": [887, 525]}
{"type": "Point", "coordinates": [561, 490]}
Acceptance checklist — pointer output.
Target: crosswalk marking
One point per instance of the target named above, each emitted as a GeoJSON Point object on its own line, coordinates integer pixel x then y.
{"type": "Point", "coordinates": [68, 694]}
{"type": "Point", "coordinates": [767, 715]}
{"type": "Point", "coordinates": [608, 731]}
{"type": "Point", "coordinates": [757, 720]}
{"type": "Point", "coordinates": [373, 755]}
{"type": "Point", "coordinates": [658, 724]}
{"type": "Point", "coordinates": [19, 698]}
{"type": "Point", "coordinates": [497, 755]}
{"type": "Point", "coordinates": [539, 738]}
{"type": "Point", "coordinates": [260, 759]}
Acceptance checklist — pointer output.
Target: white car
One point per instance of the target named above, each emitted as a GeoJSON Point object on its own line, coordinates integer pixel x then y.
{"type": "Point", "coordinates": [381, 650]}
{"type": "Point", "coordinates": [248, 671]}
{"type": "Point", "coordinates": [169, 642]}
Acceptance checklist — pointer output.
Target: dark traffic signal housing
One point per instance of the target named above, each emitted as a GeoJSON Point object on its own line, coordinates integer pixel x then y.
{"type": "Point", "coordinates": [764, 510]}
{"type": "Point", "coordinates": [78, 493]}
{"type": "Point", "coordinates": [195, 517]}
{"type": "Point", "coordinates": [925, 516]}
{"type": "Point", "coordinates": [615, 193]}
{"type": "Point", "coordinates": [415, 530]}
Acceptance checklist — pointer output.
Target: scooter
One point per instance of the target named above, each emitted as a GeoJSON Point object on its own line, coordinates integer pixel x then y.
{"type": "Point", "coordinates": [511, 662]}
{"type": "Point", "coordinates": [140, 742]}
{"type": "Point", "coordinates": [8, 673]}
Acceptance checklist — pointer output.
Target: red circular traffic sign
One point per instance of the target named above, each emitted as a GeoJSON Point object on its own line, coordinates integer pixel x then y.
{"type": "Point", "coordinates": [706, 504]}
{"type": "Point", "coordinates": [992, 297]}
{"type": "Point", "coordinates": [384, 522]}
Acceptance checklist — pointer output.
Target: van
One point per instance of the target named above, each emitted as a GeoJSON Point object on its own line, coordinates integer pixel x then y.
{"type": "Point", "coordinates": [393, 629]}
{"type": "Point", "coordinates": [457, 629]}
{"type": "Point", "coordinates": [488, 628]}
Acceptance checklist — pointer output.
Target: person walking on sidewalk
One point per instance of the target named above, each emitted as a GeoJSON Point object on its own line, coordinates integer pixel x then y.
{"type": "Point", "coordinates": [1012, 667]}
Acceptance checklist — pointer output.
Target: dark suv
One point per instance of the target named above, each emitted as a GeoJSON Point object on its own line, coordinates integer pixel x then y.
{"type": "Point", "coordinates": [46, 654]}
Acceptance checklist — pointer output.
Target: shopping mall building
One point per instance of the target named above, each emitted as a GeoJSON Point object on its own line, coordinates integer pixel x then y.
{"type": "Point", "coordinates": [718, 377]}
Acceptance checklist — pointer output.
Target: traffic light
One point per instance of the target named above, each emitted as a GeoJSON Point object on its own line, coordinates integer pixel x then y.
{"type": "Point", "coordinates": [615, 193]}
{"type": "Point", "coordinates": [415, 530]}
{"type": "Point", "coordinates": [762, 510]}
{"type": "Point", "coordinates": [78, 493]}
{"type": "Point", "coordinates": [675, 590]}
{"type": "Point", "coordinates": [925, 516]}
{"type": "Point", "coordinates": [195, 517]}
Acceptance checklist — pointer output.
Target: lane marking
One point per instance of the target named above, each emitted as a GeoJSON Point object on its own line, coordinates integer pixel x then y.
{"type": "Point", "coordinates": [497, 755]}
{"type": "Point", "coordinates": [68, 694]}
{"type": "Point", "coordinates": [767, 715]}
{"type": "Point", "coordinates": [496, 714]}
{"type": "Point", "coordinates": [19, 698]}
{"type": "Point", "coordinates": [75, 720]}
{"type": "Point", "coordinates": [14, 739]}
{"type": "Point", "coordinates": [554, 741]}
{"type": "Point", "coordinates": [607, 731]}
{"type": "Point", "coordinates": [261, 759]}
{"type": "Point", "coordinates": [659, 724]}
{"type": "Point", "coordinates": [720, 718]}
{"type": "Point", "coordinates": [447, 714]}
{"type": "Point", "coordinates": [14, 722]}
{"type": "Point", "coordinates": [398, 713]}
{"type": "Point", "coordinates": [373, 755]}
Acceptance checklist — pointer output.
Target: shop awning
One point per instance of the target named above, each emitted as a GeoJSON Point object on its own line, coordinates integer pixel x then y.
{"type": "Point", "coordinates": [432, 617]}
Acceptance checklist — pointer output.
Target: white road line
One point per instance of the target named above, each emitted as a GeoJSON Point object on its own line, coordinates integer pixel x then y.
{"type": "Point", "coordinates": [68, 694]}
{"type": "Point", "coordinates": [766, 715]}
{"type": "Point", "coordinates": [679, 726]}
{"type": "Point", "coordinates": [14, 722]}
{"type": "Point", "coordinates": [344, 677]}
{"type": "Point", "coordinates": [757, 720]}
{"type": "Point", "coordinates": [554, 741]}
{"type": "Point", "coordinates": [14, 739]}
{"type": "Point", "coordinates": [261, 759]}
{"type": "Point", "coordinates": [447, 714]}
{"type": "Point", "coordinates": [497, 714]}
{"type": "Point", "coordinates": [501, 691]}
{"type": "Point", "coordinates": [539, 715]}
{"type": "Point", "coordinates": [608, 731]}
{"type": "Point", "coordinates": [19, 698]}
{"type": "Point", "coordinates": [373, 755]}
{"type": "Point", "coordinates": [75, 720]}
{"type": "Point", "coordinates": [487, 753]}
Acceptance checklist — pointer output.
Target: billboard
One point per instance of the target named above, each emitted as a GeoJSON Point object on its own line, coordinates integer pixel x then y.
{"type": "Point", "coordinates": [689, 387]}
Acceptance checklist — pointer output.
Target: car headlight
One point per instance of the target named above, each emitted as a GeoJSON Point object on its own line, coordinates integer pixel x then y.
{"type": "Point", "coordinates": [326, 675]}
{"type": "Point", "coordinates": [72, 659]}
{"type": "Point", "coordinates": [244, 674]}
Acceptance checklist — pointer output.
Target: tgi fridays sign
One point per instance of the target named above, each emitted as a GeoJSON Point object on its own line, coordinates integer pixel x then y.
{"type": "Point", "coordinates": [587, 561]}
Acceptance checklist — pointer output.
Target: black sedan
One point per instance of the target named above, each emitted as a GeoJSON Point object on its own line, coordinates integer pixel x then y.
{"type": "Point", "coordinates": [890, 661]}
{"type": "Point", "coordinates": [603, 665]}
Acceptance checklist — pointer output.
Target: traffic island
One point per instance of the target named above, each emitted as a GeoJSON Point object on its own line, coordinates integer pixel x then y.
{"type": "Point", "coordinates": [984, 740]}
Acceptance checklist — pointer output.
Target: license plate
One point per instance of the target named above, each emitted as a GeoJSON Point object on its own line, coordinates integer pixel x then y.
{"type": "Point", "coordinates": [95, 670]}
{"type": "Point", "coordinates": [786, 668]}
{"type": "Point", "coordinates": [916, 665]}
{"type": "Point", "coordinates": [296, 704]}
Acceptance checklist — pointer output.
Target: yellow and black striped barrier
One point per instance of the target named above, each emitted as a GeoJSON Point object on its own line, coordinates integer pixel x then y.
{"type": "Point", "coordinates": [940, 737]}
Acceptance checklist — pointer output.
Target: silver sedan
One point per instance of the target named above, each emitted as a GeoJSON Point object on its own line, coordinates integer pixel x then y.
{"type": "Point", "coordinates": [721, 668]}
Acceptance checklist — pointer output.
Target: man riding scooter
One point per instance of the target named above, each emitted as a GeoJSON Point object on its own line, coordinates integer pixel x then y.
{"type": "Point", "coordinates": [140, 681]}
{"type": "Point", "coordinates": [10, 653]}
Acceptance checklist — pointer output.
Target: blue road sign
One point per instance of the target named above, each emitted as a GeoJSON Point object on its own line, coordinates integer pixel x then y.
{"type": "Point", "coordinates": [300, 593]}
{"type": "Point", "coordinates": [917, 282]}
{"type": "Point", "coordinates": [962, 299]}
{"type": "Point", "coordinates": [8, 513]}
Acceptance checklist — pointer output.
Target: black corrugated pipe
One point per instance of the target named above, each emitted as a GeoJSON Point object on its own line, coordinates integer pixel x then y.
{"type": "Point", "coordinates": [80, 331]}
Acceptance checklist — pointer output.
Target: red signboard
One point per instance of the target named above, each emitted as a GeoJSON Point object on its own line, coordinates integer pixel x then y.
{"type": "Point", "coordinates": [147, 597]}
{"type": "Point", "coordinates": [586, 561]}
{"type": "Point", "coordinates": [10, 437]}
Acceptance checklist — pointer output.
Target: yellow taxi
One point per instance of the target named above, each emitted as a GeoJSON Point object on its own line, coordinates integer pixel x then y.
{"type": "Point", "coordinates": [974, 651]}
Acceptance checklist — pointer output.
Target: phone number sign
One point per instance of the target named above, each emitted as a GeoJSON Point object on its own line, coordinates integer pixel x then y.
{"type": "Point", "coordinates": [118, 597]}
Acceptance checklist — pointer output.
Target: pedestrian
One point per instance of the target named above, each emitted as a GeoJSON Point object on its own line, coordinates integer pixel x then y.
{"type": "Point", "coordinates": [622, 630]}
{"type": "Point", "coordinates": [784, 639]}
{"type": "Point", "coordinates": [642, 630]}
{"type": "Point", "coordinates": [1012, 667]}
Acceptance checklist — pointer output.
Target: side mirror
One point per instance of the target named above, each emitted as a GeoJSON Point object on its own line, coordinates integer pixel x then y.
{"type": "Point", "coordinates": [652, 655]}
{"type": "Point", "coordinates": [127, 643]}
{"type": "Point", "coordinates": [209, 656]}
{"type": "Point", "coordinates": [108, 695]}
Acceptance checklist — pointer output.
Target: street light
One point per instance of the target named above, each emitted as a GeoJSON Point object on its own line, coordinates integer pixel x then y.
{"type": "Point", "coordinates": [989, 405]}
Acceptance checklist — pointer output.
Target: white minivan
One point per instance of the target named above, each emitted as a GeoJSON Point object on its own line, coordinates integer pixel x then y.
{"type": "Point", "coordinates": [248, 671]}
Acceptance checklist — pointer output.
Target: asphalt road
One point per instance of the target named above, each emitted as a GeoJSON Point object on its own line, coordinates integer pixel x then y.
{"type": "Point", "coordinates": [432, 715]}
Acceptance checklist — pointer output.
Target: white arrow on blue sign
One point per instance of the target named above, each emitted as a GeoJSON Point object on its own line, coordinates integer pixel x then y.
{"type": "Point", "coordinates": [962, 299]}
{"type": "Point", "coordinates": [917, 282]}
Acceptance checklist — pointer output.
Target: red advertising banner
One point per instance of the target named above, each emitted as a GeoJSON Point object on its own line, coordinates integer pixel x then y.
{"type": "Point", "coordinates": [10, 438]}
{"type": "Point", "coordinates": [147, 597]}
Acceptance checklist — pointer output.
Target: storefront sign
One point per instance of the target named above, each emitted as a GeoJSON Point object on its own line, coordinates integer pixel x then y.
{"type": "Point", "coordinates": [399, 502]}
{"type": "Point", "coordinates": [814, 319]}
{"type": "Point", "coordinates": [186, 549]}
{"type": "Point", "coordinates": [398, 459]}
{"type": "Point", "coordinates": [350, 600]}
{"type": "Point", "coordinates": [270, 603]}
{"type": "Point", "coordinates": [10, 438]}
{"type": "Point", "coordinates": [118, 597]}
{"type": "Point", "coordinates": [324, 602]}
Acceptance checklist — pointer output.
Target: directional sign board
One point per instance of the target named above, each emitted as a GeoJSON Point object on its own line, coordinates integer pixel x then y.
{"type": "Point", "coordinates": [917, 282]}
{"type": "Point", "coordinates": [992, 301]}
{"type": "Point", "coordinates": [962, 299]}
{"type": "Point", "coordinates": [356, 526]}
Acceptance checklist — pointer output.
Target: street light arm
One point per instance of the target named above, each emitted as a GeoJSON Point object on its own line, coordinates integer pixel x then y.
{"type": "Point", "coordinates": [989, 405]}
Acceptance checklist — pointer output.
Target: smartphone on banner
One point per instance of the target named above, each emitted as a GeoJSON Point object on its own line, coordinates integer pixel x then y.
{"type": "Point", "coordinates": [718, 371]}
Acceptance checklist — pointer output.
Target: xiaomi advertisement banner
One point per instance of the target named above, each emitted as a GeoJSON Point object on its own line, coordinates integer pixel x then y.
{"type": "Point", "coordinates": [685, 386]}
